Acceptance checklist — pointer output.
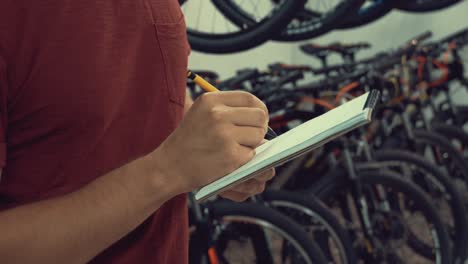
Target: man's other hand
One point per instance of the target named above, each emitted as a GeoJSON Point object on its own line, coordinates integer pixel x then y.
{"type": "Point", "coordinates": [254, 186]}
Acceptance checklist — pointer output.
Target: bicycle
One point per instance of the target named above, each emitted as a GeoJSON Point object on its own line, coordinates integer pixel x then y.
{"type": "Point", "coordinates": [222, 231]}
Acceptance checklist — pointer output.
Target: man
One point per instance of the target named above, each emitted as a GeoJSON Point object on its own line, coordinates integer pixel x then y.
{"type": "Point", "coordinates": [96, 157]}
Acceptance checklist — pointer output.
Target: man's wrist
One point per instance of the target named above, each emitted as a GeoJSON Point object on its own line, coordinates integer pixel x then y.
{"type": "Point", "coordinates": [148, 183]}
{"type": "Point", "coordinates": [162, 177]}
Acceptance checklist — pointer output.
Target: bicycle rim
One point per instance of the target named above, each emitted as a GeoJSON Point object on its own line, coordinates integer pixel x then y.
{"type": "Point", "coordinates": [319, 223]}
{"type": "Point", "coordinates": [224, 37]}
{"type": "Point", "coordinates": [397, 245]}
{"type": "Point", "coordinates": [318, 17]}
{"type": "Point", "coordinates": [250, 233]}
{"type": "Point", "coordinates": [437, 185]}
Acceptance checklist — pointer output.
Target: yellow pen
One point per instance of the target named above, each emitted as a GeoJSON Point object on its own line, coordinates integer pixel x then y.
{"type": "Point", "coordinates": [208, 87]}
{"type": "Point", "coordinates": [201, 82]}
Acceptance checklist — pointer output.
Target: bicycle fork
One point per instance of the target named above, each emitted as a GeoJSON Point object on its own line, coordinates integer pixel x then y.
{"type": "Point", "coordinates": [372, 245]}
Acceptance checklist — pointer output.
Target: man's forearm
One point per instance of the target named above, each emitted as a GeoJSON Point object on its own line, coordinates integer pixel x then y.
{"type": "Point", "coordinates": [76, 227]}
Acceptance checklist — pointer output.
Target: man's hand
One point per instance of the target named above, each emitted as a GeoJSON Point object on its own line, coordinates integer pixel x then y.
{"type": "Point", "coordinates": [244, 190]}
{"type": "Point", "coordinates": [218, 134]}
{"type": "Point", "coordinates": [254, 186]}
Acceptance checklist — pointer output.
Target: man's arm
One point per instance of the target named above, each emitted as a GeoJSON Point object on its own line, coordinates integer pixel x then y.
{"type": "Point", "coordinates": [215, 137]}
{"type": "Point", "coordinates": [76, 227]}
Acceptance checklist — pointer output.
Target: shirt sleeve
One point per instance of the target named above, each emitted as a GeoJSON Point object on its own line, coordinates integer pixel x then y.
{"type": "Point", "coordinates": [3, 110]}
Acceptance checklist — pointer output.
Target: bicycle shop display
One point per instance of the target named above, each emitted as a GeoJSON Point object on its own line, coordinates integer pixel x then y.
{"type": "Point", "coordinates": [227, 26]}
{"type": "Point", "coordinates": [395, 191]}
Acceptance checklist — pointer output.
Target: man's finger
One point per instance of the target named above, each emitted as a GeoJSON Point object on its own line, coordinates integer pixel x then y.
{"type": "Point", "coordinates": [235, 196]}
{"type": "Point", "coordinates": [251, 187]}
{"type": "Point", "coordinates": [248, 136]}
{"type": "Point", "coordinates": [239, 99]}
{"type": "Point", "coordinates": [266, 176]}
{"type": "Point", "coordinates": [247, 116]}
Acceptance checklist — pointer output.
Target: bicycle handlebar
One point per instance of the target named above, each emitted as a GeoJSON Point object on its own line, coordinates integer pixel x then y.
{"type": "Point", "coordinates": [288, 67]}
{"type": "Point", "coordinates": [275, 85]}
{"type": "Point", "coordinates": [334, 68]}
{"type": "Point", "coordinates": [242, 76]}
{"type": "Point", "coordinates": [290, 77]}
{"type": "Point", "coordinates": [417, 39]}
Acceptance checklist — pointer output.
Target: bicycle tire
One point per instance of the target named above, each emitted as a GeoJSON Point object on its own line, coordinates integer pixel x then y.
{"type": "Point", "coordinates": [273, 218]}
{"type": "Point", "coordinates": [248, 37]}
{"type": "Point", "coordinates": [433, 138]}
{"type": "Point", "coordinates": [337, 181]}
{"type": "Point", "coordinates": [367, 14]}
{"type": "Point", "coordinates": [316, 25]}
{"type": "Point", "coordinates": [318, 212]}
{"type": "Point", "coordinates": [461, 113]}
{"type": "Point", "coordinates": [458, 212]}
{"type": "Point", "coordinates": [424, 5]}
{"type": "Point", "coordinates": [457, 168]}
{"type": "Point", "coordinates": [451, 132]}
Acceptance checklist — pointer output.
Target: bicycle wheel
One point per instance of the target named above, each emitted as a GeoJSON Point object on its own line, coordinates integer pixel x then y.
{"type": "Point", "coordinates": [435, 148]}
{"type": "Point", "coordinates": [369, 12]}
{"type": "Point", "coordinates": [209, 32]}
{"type": "Point", "coordinates": [404, 225]}
{"type": "Point", "coordinates": [251, 233]}
{"type": "Point", "coordinates": [424, 5]}
{"type": "Point", "coordinates": [319, 222]}
{"type": "Point", "coordinates": [440, 150]}
{"type": "Point", "coordinates": [455, 134]}
{"type": "Point", "coordinates": [318, 17]}
{"type": "Point", "coordinates": [435, 184]}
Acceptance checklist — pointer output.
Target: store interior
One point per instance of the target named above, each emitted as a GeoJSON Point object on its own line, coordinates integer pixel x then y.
{"type": "Point", "coordinates": [393, 190]}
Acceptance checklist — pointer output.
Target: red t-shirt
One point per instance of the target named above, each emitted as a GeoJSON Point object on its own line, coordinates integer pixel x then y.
{"type": "Point", "coordinates": [85, 87]}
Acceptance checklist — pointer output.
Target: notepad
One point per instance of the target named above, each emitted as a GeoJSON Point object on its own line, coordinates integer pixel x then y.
{"type": "Point", "coordinates": [298, 141]}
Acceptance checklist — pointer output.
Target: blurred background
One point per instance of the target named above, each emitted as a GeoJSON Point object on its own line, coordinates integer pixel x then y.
{"type": "Point", "coordinates": [392, 191]}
